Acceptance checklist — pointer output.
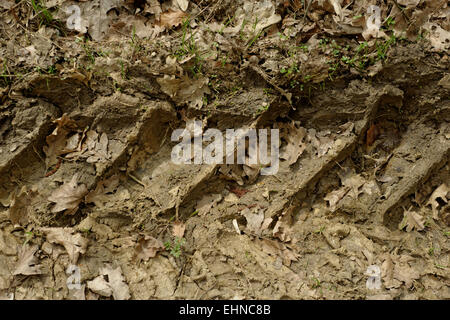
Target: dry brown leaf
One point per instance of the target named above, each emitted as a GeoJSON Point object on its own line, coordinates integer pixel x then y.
{"type": "Point", "coordinates": [153, 7]}
{"type": "Point", "coordinates": [115, 286]}
{"type": "Point", "coordinates": [254, 220]}
{"type": "Point", "coordinates": [352, 180]}
{"type": "Point", "coordinates": [147, 248]}
{"type": "Point", "coordinates": [295, 145]}
{"type": "Point", "coordinates": [440, 193]}
{"type": "Point", "coordinates": [277, 249]}
{"type": "Point", "coordinates": [282, 230]}
{"type": "Point", "coordinates": [91, 146]}
{"type": "Point", "coordinates": [100, 196]}
{"type": "Point", "coordinates": [337, 9]}
{"type": "Point", "coordinates": [408, 3]}
{"type": "Point", "coordinates": [74, 244]}
{"type": "Point", "coordinates": [439, 37]}
{"type": "Point", "coordinates": [320, 142]}
{"type": "Point", "coordinates": [178, 229]}
{"type": "Point", "coordinates": [262, 14]}
{"type": "Point", "coordinates": [185, 90]}
{"type": "Point", "coordinates": [412, 220]}
{"type": "Point", "coordinates": [402, 270]}
{"type": "Point", "coordinates": [28, 262]}
{"type": "Point", "coordinates": [171, 18]}
{"type": "Point", "coordinates": [56, 142]}
{"type": "Point", "coordinates": [183, 4]}
{"type": "Point", "coordinates": [116, 280]}
{"type": "Point", "coordinates": [68, 196]}
{"type": "Point", "coordinates": [7, 4]}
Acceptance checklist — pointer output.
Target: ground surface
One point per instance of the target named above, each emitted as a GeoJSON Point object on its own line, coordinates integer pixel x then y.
{"type": "Point", "coordinates": [86, 176]}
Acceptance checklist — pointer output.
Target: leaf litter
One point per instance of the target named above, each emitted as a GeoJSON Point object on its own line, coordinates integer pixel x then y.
{"type": "Point", "coordinates": [321, 55]}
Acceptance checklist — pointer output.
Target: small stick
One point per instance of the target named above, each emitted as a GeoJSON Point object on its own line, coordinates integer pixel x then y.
{"type": "Point", "coordinates": [136, 180]}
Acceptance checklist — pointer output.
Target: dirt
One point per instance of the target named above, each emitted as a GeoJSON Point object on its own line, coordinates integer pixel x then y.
{"type": "Point", "coordinates": [87, 179]}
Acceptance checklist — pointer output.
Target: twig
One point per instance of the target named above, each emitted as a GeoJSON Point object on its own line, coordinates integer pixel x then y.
{"type": "Point", "coordinates": [12, 8]}
{"type": "Point", "coordinates": [306, 9]}
{"type": "Point", "coordinates": [136, 180]}
{"type": "Point", "coordinates": [266, 77]}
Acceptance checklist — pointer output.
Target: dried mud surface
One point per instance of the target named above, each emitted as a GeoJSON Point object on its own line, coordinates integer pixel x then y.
{"type": "Point", "coordinates": [86, 176]}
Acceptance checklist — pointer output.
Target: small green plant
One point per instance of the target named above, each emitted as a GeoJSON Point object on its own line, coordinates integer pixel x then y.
{"type": "Point", "coordinates": [263, 108]}
{"type": "Point", "coordinates": [336, 52]}
{"type": "Point", "coordinates": [28, 237]}
{"type": "Point", "coordinates": [253, 40]}
{"type": "Point", "coordinates": [324, 42]}
{"type": "Point", "coordinates": [241, 31]}
{"type": "Point", "coordinates": [189, 47]}
{"type": "Point", "coordinates": [42, 12]}
{"type": "Point", "coordinates": [348, 60]}
{"type": "Point", "coordinates": [135, 42]}
{"type": "Point", "coordinates": [122, 70]}
{"type": "Point", "coordinates": [224, 60]}
{"type": "Point", "coordinates": [383, 47]}
{"type": "Point", "coordinates": [268, 91]}
{"type": "Point", "coordinates": [194, 213]}
{"type": "Point", "coordinates": [293, 84]}
{"type": "Point", "coordinates": [320, 230]}
{"type": "Point", "coordinates": [51, 70]}
{"type": "Point", "coordinates": [316, 283]}
{"type": "Point", "coordinates": [175, 247]}
{"type": "Point", "coordinates": [293, 68]}
{"type": "Point", "coordinates": [307, 78]}
{"type": "Point", "coordinates": [390, 22]}
{"type": "Point", "coordinates": [5, 75]}
{"type": "Point", "coordinates": [304, 47]}
{"type": "Point", "coordinates": [282, 36]}
{"type": "Point", "coordinates": [227, 23]}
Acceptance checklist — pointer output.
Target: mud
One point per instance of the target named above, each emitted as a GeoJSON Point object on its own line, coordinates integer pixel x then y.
{"type": "Point", "coordinates": [372, 146]}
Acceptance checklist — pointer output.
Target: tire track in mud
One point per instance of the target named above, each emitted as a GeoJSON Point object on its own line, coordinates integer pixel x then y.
{"type": "Point", "coordinates": [141, 130]}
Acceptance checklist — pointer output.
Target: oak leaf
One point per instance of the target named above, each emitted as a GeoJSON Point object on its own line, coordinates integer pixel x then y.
{"type": "Point", "coordinates": [100, 196]}
{"type": "Point", "coordinates": [74, 244]}
{"type": "Point", "coordinates": [28, 262]}
{"type": "Point", "coordinates": [171, 18]}
{"type": "Point", "coordinates": [412, 220]}
{"type": "Point", "coordinates": [68, 196]}
{"type": "Point", "coordinates": [147, 248]}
